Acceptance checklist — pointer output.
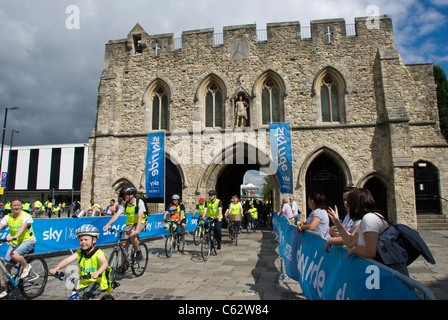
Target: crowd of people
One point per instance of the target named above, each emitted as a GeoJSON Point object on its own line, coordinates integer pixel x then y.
{"type": "Point", "coordinates": [359, 230]}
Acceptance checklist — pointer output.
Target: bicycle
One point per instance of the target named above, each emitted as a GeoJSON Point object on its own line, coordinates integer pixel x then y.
{"type": "Point", "coordinates": [75, 296]}
{"type": "Point", "coordinates": [199, 231]}
{"type": "Point", "coordinates": [120, 260]}
{"type": "Point", "coordinates": [209, 242]}
{"type": "Point", "coordinates": [174, 238]}
{"type": "Point", "coordinates": [251, 224]}
{"type": "Point", "coordinates": [234, 227]}
{"type": "Point", "coordinates": [34, 284]}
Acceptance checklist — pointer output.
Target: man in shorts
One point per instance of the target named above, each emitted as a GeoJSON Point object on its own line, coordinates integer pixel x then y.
{"type": "Point", "coordinates": [136, 219]}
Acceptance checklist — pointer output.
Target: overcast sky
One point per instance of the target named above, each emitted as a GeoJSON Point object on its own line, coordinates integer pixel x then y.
{"type": "Point", "coordinates": [52, 72]}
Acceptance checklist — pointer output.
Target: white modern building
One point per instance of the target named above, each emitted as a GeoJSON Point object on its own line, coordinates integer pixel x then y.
{"type": "Point", "coordinates": [43, 172]}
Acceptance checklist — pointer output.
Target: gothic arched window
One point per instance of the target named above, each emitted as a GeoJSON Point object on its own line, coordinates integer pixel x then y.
{"type": "Point", "coordinates": [330, 103]}
{"type": "Point", "coordinates": [159, 109]}
{"type": "Point", "coordinates": [330, 86]}
{"type": "Point", "coordinates": [270, 102]}
{"type": "Point", "coordinates": [214, 106]}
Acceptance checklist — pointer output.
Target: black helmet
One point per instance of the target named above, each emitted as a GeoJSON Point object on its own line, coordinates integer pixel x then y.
{"type": "Point", "coordinates": [130, 190]}
{"type": "Point", "coordinates": [212, 193]}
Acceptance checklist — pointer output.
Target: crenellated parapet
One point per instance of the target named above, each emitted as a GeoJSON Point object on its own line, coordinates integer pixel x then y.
{"type": "Point", "coordinates": [328, 31]}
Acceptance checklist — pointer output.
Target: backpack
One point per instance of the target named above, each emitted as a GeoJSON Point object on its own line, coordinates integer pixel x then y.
{"type": "Point", "coordinates": [399, 246]}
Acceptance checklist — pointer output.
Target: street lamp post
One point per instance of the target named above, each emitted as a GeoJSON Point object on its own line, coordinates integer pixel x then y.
{"type": "Point", "coordinates": [4, 129]}
{"type": "Point", "coordinates": [9, 163]}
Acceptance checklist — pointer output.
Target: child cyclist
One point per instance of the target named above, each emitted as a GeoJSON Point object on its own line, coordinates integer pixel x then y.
{"type": "Point", "coordinates": [173, 215]}
{"type": "Point", "coordinates": [91, 259]}
{"type": "Point", "coordinates": [21, 237]}
{"type": "Point", "coordinates": [252, 213]}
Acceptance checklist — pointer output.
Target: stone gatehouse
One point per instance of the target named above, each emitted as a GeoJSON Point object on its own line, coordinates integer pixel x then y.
{"type": "Point", "coordinates": [359, 116]}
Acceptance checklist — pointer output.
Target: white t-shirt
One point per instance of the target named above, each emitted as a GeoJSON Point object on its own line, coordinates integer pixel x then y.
{"type": "Point", "coordinates": [287, 210]}
{"type": "Point", "coordinates": [25, 219]}
{"type": "Point", "coordinates": [295, 209]}
{"type": "Point", "coordinates": [141, 206]}
{"type": "Point", "coordinates": [370, 223]}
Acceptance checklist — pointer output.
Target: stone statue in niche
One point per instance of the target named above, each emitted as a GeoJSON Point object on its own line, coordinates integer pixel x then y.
{"type": "Point", "coordinates": [241, 118]}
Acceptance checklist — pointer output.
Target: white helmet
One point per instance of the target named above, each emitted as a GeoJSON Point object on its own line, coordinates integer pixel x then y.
{"type": "Point", "coordinates": [87, 229]}
{"type": "Point", "coordinates": [175, 197]}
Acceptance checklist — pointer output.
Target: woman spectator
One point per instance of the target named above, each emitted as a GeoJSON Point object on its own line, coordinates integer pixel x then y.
{"type": "Point", "coordinates": [318, 220]}
{"type": "Point", "coordinates": [361, 206]}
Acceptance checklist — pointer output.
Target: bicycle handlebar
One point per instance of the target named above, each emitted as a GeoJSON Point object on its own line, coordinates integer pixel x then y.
{"type": "Point", "coordinates": [117, 231]}
{"type": "Point", "coordinates": [61, 275]}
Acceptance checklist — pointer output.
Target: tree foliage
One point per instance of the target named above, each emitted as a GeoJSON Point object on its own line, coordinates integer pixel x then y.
{"type": "Point", "coordinates": [442, 98]}
{"type": "Point", "coordinates": [267, 189]}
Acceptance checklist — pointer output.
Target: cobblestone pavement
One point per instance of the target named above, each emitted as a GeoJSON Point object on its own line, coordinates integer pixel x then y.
{"type": "Point", "coordinates": [435, 277]}
{"type": "Point", "coordinates": [249, 271]}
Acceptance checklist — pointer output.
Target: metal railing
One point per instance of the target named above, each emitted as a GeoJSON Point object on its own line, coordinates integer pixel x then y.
{"type": "Point", "coordinates": [262, 35]}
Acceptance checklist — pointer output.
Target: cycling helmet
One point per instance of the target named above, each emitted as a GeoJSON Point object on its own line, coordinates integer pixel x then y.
{"type": "Point", "coordinates": [130, 190]}
{"type": "Point", "coordinates": [172, 208]}
{"type": "Point", "coordinates": [87, 229]}
{"type": "Point", "coordinates": [212, 193]}
{"type": "Point", "coordinates": [175, 197]}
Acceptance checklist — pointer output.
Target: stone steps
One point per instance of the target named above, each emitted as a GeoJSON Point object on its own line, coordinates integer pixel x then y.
{"type": "Point", "coordinates": [432, 222]}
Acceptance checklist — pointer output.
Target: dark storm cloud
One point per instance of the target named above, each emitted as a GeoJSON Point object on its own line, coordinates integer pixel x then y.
{"type": "Point", "coordinates": [52, 72]}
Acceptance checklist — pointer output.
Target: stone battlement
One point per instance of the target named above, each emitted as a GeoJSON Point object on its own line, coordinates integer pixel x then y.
{"type": "Point", "coordinates": [328, 31]}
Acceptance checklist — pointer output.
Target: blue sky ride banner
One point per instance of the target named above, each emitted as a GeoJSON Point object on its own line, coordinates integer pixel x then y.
{"type": "Point", "coordinates": [332, 276]}
{"type": "Point", "coordinates": [53, 235]}
{"type": "Point", "coordinates": [155, 165]}
{"type": "Point", "coordinates": [280, 138]}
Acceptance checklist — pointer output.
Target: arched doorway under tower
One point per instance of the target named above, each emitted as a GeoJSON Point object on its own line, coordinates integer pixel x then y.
{"type": "Point", "coordinates": [324, 176]}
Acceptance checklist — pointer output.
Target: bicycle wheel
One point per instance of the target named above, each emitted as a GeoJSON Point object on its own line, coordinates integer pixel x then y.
{"type": "Point", "coordinates": [205, 246]}
{"type": "Point", "coordinates": [169, 245]}
{"type": "Point", "coordinates": [181, 242]}
{"type": "Point", "coordinates": [138, 266]}
{"type": "Point", "coordinates": [197, 236]}
{"type": "Point", "coordinates": [213, 243]}
{"type": "Point", "coordinates": [107, 296]}
{"type": "Point", "coordinates": [34, 285]}
{"type": "Point", "coordinates": [235, 228]}
{"type": "Point", "coordinates": [115, 264]}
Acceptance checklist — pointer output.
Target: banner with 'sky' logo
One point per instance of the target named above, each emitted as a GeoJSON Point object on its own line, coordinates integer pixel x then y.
{"type": "Point", "coordinates": [280, 138]}
{"type": "Point", "coordinates": [155, 165]}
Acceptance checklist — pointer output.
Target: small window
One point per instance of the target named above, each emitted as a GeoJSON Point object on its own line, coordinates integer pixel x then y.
{"type": "Point", "coordinates": [138, 44]}
{"type": "Point", "coordinates": [213, 106]}
{"type": "Point", "coordinates": [270, 101]}
{"type": "Point", "coordinates": [160, 110]}
{"type": "Point", "coordinates": [330, 102]}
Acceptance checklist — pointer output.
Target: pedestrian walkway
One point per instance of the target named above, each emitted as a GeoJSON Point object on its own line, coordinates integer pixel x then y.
{"type": "Point", "coordinates": [434, 277]}
{"type": "Point", "coordinates": [249, 271]}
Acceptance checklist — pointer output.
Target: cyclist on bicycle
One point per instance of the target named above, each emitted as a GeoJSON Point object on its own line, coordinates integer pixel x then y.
{"type": "Point", "coordinates": [135, 222]}
{"type": "Point", "coordinates": [180, 208]}
{"type": "Point", "coordinates": [252, 213]}
{"type": "Point", "coordinates": [199, 208]}
{"type": "Point", "coordinates": [91, 260]}
{"type": "Point", "coordinates": [235, 212]}
{"type": "Point", "coordinates": [21, 237]}
{"type": "Point", "coordinates": [213, 209]}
